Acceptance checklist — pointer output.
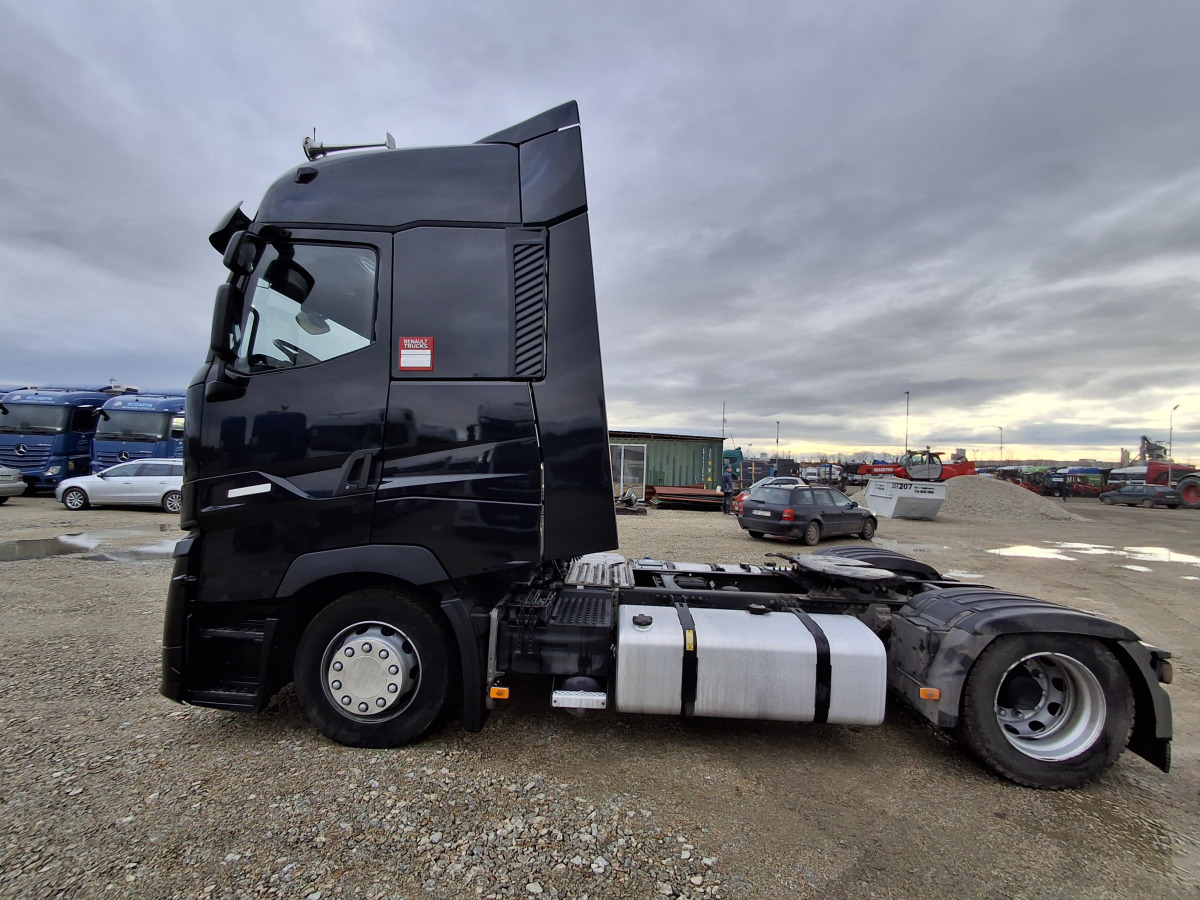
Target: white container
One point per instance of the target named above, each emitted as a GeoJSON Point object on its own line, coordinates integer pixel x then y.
{"type": "Point", "coordinates": [896, 498]}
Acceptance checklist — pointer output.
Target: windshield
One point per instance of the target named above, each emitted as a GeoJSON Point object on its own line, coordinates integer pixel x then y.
{"type": "Point", "coordinates": [132, 425]}
{"type": "Point", "coordinates": [30, 419]}
{"type": "Point", "coordinates": [335, 316]}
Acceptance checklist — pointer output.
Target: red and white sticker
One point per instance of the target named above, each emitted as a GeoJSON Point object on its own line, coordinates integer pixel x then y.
{"type": "Point", "coordinates": [416, 354]}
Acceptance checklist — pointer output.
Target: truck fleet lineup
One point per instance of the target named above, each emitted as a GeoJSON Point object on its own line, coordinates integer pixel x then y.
{"type": "Point", "coordinates": [59, 431]}
{"type": "Point", "coordinates": [397, 494]}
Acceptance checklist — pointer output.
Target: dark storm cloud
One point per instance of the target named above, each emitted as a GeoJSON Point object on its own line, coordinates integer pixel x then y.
{"type": "Point", "coordinates": [801, 210]}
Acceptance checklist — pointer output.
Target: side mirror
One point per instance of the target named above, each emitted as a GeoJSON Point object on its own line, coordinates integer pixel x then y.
{"type": "Point", "coordinates": [242, 252]}
{"type": "Point", "coordinates": [218, 339]}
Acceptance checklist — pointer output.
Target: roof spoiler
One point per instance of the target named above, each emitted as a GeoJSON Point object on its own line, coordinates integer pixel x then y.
{"type": "Point", "coordinates": [543, 123]}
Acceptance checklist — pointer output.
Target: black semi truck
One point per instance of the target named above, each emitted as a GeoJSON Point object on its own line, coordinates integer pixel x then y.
{"type": "Point", "coordinates": [398, 492]}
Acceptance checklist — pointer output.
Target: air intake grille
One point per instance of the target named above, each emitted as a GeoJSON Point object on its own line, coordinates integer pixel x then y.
{"type": "Point", "coordinates": [584, 610]}
{"type": "Point", "coordinates": [529, 276]}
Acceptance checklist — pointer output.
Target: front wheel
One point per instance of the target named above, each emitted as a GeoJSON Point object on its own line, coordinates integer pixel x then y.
{"type": "Point", "coordinates": [868, 530]}
{"type": "Point", "coordinates": [1047, 711]}
{"type": "Point", "coordinates": [1148, 504]}
{"type": "Point", "coordinates": [372, 669]}
{"type": "Point", "coordinates": [171, 502]}
{"type": "Point", "coordinates": [75, 499]}
{"type": "Point", "coordinates": [1107, 501]}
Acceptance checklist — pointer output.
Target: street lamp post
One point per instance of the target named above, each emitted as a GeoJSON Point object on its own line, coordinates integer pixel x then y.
{"type": "Point", "coordinates": [1001, 427]}
{"type": "Point", "coordinates": [776, 448]}
{"type": "Point", "coordinates": [906, 423]}
{"type": "Point", "coordinates": [1170, 443]}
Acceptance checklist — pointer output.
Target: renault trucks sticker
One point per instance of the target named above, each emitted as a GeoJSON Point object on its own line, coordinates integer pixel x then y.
{"type": "Point", "coordinates": [416, 354]}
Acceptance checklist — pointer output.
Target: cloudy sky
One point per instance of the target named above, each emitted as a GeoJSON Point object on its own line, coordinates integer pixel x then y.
{"type": "Point", "coordinates": [799, 210]}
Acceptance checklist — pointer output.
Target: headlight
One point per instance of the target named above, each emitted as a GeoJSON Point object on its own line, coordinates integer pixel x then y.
{"type": "Point", "coordinates": [53, 470]}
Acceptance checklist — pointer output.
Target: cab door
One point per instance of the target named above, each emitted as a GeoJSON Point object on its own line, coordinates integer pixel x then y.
{"type": "Point", "coordinates": [291, 424]}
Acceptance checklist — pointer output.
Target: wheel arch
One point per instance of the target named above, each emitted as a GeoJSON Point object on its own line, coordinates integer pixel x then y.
{"type": "Point", "coordinates": [938, 636]}
{"type": "Point", "coordinates": [315, 580]}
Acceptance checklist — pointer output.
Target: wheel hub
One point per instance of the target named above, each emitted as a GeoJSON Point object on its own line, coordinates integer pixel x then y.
{"type": "Point", "coordinates": [369, 669]}
{"type": "Point", "coordinates": [1050, 707]}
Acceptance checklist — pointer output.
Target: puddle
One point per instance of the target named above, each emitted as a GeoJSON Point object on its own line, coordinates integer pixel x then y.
{"type": "Point", "coordinates": [1070, 551]}
{"type": "Point", "coordinates": [909, 548]}
{"type": "Point", "coordinates": [954, 573]}
{"type": "Point", "coordinates": [97, 542]}
{"type": "Point", "coordinates": [1029, 552]}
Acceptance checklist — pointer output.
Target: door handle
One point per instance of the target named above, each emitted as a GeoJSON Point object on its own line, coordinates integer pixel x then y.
{"type": "Point", "coordinates": [355, 474]}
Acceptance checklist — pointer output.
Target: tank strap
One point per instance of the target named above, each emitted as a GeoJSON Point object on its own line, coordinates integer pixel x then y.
{"type": "Point", "coordinates": [687, 690]}
{"type": "Point", "coordinates": [824, 666]}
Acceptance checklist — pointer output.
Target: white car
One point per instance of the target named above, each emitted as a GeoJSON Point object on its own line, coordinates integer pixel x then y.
{"type": "Point", "coordinates": [143, 482]}
{"type": "Point", "coordinates": [11, 483]}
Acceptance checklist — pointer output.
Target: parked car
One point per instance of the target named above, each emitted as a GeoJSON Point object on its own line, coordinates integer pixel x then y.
{"type": "Point", "coordinates": [143, 482]}
{"type": "Point", "coordinates": [804, 512]}
{"type": "Point", "coordinates": [1143, 495]}
{"type": "Point", "coordinates": [772, 479]}
{"type": "Point", "coordinates": [11, 483]}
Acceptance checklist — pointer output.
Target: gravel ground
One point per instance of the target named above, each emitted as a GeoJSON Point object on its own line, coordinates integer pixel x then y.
{"type": "Point", "coordinates": [107, 789]}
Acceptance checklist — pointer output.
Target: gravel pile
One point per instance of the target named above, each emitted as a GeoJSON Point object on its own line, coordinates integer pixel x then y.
{"type": "Point", "coordinates": [978, 497]}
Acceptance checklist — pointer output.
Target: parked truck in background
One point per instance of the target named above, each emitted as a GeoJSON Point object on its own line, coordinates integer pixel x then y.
{"type": "Point", "coordinates": [397, 495]}
{"type": "Point", "coordinates": [139, 426]}
{"type": "Point", "coordinates": [46, 433]}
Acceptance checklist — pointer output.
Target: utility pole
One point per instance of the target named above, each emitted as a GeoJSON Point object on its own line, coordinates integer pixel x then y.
{"type": "Point", "coordinates": [1001, 427]}
{"type": "Point", "coordinates": [722, 423]}
{"type": "Point", "coordinates": [906, 423]}
{"type": "Point", "coordinates": [777, 447]}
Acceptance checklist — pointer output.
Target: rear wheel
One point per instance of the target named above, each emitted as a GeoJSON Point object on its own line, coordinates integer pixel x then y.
{"type": "Point", "coordinates": [812, 533]}
{"type": "Point", "coordinates": [1047, 711]}
{"type": "Point", "coordinates": [372, 669]}
{"type": "Point", "coordinates": [171, 502]}
{"type": "Point", "coordinates": [3, 500]}
{"type": "Point", "coordinates": [755, 534]}
{"type": "Point", "coordinates": [75, 499]}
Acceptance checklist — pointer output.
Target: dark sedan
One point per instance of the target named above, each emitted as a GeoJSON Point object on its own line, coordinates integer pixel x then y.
{"type": "Point", "coordinates": [1143, 495]}
{"type": "Point", "coordinates": [804, 512]}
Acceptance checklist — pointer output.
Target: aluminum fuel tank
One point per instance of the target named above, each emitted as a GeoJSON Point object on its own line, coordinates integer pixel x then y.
{"type": "Point", "coordinates": [775, 665]}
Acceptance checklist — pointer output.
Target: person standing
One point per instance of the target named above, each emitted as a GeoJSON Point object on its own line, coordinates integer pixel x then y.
{"type": "Point", "coordinates": [726, 489]}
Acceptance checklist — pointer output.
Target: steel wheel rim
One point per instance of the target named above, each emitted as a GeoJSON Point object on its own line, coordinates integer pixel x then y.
{"type": "Point", "coordinates": [1064, 720]}
{"type": "Point", "coordinates": [370, 671]}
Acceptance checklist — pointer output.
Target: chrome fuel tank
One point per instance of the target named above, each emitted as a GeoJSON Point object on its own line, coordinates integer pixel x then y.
{"type": "Point", "coordinates": [736, 664]}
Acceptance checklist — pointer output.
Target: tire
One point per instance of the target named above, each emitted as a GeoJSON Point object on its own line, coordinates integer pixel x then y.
{"type": "Point", "coordinates": [868, 530]}
{"type": "Point", "coordinates": [1148, 504]}
{"type": "Point", "coordinates": [1107, 501]}
{"type": "Point", "coordinates": [75, 499]}
{"type": "Point", "coordinates": [383, 632]}
{"type": "Point", "coordinates": [812, 533]}
{"type": "Point", "coordinates": [171, 502]}
{"type": "Point", "coordinates": [755, 534]}
{"type": "Point", "coordinates": [1047, 711]}
{"type": "Point", "coordinates": [3, 500]}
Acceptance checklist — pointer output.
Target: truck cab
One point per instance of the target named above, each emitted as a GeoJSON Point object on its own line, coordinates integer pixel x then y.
{"type": "Point", "coordinates": [139, 426]}
{"type": "Point", "coordinates": [46, 433]}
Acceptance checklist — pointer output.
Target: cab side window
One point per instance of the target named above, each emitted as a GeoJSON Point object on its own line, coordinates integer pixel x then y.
{"type": "Point", "coordinates": [305, 304]}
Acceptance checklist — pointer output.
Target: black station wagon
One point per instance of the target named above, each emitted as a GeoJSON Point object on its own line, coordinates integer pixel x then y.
{"type": "Point", "coordinates": [804, 512]}
{"type": "Point", "coordinates": [1143, 495]}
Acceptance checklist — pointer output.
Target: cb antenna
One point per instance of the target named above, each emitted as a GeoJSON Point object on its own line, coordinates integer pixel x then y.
{"type": "Point", "coordinates": [315, 151]}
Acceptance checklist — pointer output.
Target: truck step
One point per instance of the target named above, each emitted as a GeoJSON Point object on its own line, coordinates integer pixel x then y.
{"type": "Point", "coordinates": [237, 631]}
{"type": "Point", "coordinates": [579, 700]}
{"type": "Point", "coordinates": [232, 695]}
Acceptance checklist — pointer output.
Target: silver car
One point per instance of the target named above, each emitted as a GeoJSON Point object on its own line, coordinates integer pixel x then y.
{"type": "Point", "coordinates": [143, 482]}
{"type": "Point", "coordinates": [11, 483]}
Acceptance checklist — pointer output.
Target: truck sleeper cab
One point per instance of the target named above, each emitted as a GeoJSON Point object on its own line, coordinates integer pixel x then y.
{"type": "Point", "coordinates": [398, 491]}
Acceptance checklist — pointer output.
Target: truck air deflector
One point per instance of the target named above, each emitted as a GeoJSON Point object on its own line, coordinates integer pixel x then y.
{"type": "Point", "coordinates": [563, 116]}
